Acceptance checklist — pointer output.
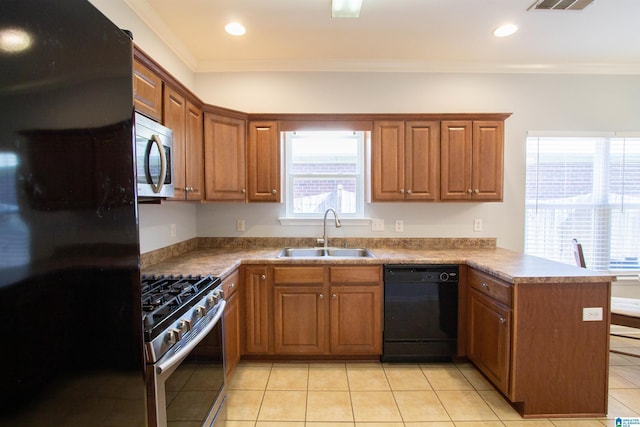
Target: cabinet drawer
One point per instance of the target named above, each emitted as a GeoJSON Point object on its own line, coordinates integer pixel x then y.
{"type": "Point", "coordinates": [490, 286]}
{"type": "Point", "coordinates": [298, 275]}
{"type": "Point", "coordinates": [355, 274]}
{"type": "Point", "coordinates": [230, 284]}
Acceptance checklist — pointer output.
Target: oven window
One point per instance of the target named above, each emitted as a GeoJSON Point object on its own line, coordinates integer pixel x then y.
{"type": "Point", "coordinates": [194, 387]}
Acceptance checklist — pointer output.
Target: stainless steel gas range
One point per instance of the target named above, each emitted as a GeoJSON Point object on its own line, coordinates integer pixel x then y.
{"type": "Point", "coordinates": [184, 350]}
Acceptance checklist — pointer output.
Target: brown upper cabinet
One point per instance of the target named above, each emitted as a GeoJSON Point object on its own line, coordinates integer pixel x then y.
{"type": "Point", "coordinates": [224, 153]}
{"type": "Point", "coordinates": [471, 160]}
{"type": "Point", "coordinates": [405, 161]}
{"type": "Point", "coordinates": [185, 119]}
{"type": "Point", "coordinates": [263, 162]}
{"type": "Point", "coordinates": [147, 90]}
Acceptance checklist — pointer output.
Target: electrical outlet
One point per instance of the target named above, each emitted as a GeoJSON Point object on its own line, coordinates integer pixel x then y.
{"type": "Point", "coordinates": [592, 314]}
{"type": "Point", "coordinates": [240, 225]}
{"type": "Point", "coordinates": [399, 226]}
{"type": "Point", "coordinates": [173, 230]}
{"type": "Point", "coordinates": [477, 224]}
{"type": "Point", "coordinates": [377, 225]}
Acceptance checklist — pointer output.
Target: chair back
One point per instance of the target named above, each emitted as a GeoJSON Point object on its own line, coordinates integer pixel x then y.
{"type": "Point", "coordinates": [577, 252]}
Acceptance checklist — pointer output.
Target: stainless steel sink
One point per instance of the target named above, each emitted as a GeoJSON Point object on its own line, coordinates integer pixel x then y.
{"type": "Point", "coordinates": [326, 253]}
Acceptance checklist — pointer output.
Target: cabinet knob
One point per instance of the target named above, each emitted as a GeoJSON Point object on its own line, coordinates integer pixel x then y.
{"type": "Point", "coordinates": [320, 296]}
{"type": "Point", "coordinates": [476, 191]}
{"type": "Point", "coordinates": [408, 191]}
{"type": "Point", "coordinates": [263, 277]}
{"type": "Point", "coordinates": [502, 320]}
{"type": "Point", "coordinates": [334, 296]}
{"type": "Point", "coordinates": [469, 191]}
{"type": "Point", "coordinates": [232, 285]}
{"type": "Point", "coordinates": [273, 191]}
{"type": "Point", "coordinates": [243, 191]}
{"type": "Point", "coordinates": [402, 191]}
{"type": "Point", "coordinates": [485, 286]}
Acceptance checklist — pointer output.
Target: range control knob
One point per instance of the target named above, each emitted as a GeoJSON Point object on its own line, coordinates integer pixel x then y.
{"type": "Point", "coordinates": [173, 336]}
{"type": "Point", "coordinates": [201, 311]}
{"type": "Point", "coordinates": [444, 277]}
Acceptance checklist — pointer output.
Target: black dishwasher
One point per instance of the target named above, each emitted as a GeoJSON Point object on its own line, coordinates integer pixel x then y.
{"type": "Point", "coordinates": [420, 313]}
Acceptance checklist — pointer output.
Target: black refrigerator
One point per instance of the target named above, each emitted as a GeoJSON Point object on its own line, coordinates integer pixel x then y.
{"type": "Point", "coordinates": [71, 351]}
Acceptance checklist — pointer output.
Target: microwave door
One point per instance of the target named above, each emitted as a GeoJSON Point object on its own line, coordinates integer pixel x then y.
{"type": "Point", "coordinates": [155, 164]}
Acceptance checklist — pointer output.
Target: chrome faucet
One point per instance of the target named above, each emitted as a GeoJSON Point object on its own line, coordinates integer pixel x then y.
{"type": "Point", "coordinates": [324, 239]}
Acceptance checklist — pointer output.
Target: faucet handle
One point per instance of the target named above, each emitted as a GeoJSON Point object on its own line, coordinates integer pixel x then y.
{"type": "Point", "coordinates": [320, 241]}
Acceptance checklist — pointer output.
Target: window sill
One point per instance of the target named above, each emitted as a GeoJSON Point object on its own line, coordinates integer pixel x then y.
{"type": "Point", "coordinates": [318, 221]}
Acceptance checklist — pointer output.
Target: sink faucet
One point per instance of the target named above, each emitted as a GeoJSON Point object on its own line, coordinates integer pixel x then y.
{"type": "Point", "coordinates": [324, 239]}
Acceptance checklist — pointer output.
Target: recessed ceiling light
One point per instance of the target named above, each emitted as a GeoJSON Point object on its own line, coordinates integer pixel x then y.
{"type": "Point", "coordinates": [14, 40]}
{"type": "Point", "coordinates": [345, 8]}
{"type": "Point", "coordinates": [235, 29]}
{"type": "Point", "coordinates": [505, 30]}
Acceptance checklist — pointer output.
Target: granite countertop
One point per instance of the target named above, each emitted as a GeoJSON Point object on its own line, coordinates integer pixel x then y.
{"type": "Point", "coordinates": [505, 264]}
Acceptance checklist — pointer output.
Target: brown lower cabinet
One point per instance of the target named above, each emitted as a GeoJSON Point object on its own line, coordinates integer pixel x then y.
{"type": "Point", "coordinates": [531, 342]}
{"type": "Point", "coordinates": [230, 286]}
{"type": "Point", "coordinates": [314, 310]}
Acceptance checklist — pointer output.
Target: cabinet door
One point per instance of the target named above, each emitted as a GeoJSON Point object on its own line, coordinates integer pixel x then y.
{"type": "Point", "coordinates": [257, 309]}
{"type": "Point", "coordinates": [300, 319]}
{"type": "Point", "coordinates": [455, 160]}
{"type": "Point", "coordinates": [422, 161]}
{"type": "Point", "coordinates": [175, 107]}
{"type": "Point", "coordinates": [489, 345]}
{"type": "Point", "coordinates": [356, 319]}
{"type": "Point", "coordinates": [488, 162]}
{"type": "Point", "coordinates": [231, 335]}
{"type": "Point", "coordinates": [263, 162]}
{"type": "Point", "coordinates": [224, 157]}
{"type": "Point", "coordinates": [387, 160]}
{"type": "Point", "coordinates": [194, 153]}
{"type": "Point", "coordinates": [147, 90]}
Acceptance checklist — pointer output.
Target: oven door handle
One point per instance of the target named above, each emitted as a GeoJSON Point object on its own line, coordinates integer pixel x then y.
{"type": "Point", "coordinates": [182, 353]}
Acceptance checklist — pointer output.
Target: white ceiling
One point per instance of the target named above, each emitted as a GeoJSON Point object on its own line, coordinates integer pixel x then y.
{"type": "Point", "coordinates": [398, 35]}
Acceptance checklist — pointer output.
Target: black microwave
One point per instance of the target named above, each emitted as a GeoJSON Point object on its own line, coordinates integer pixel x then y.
{"type": "Point", "coordinates": [154, 162]}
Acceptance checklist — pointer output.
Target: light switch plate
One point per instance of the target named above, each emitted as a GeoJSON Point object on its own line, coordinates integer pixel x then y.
{"type": "Point", "coordinates": [377, 225]}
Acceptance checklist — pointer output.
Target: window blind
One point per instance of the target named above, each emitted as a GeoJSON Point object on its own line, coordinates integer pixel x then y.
{"type": "Point", "coordinates": [587, 188]}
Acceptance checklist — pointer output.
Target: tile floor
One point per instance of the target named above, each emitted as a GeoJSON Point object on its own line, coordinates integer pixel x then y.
{"type": "Point", "coordinates": [399, 395]}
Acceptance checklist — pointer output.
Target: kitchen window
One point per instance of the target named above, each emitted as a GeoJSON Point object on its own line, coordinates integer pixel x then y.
{"type": "Point", "coordinates": [324, 169]}
{"type": "Point", "coordinates": [587, 188]}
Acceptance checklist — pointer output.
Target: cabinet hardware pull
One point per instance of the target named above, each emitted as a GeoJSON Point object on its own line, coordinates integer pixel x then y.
{"type": "Point", "coordinates": [263, 277]}
{"type": "Point", "coordinates": [477, 191]}
{"type": "Point", "coordinates": [243, 191]}
{"type": "Point", "coordinates": [503, 320]}
{"type": "Point", "coordinates": [320, 296]}
{"type": "Point", "coordinates": [485, 286]}
{"type": "Point", "coordinates": [402, 191]}
{"type": "Point", "coordinates": [469, 191]}
{"type": "Point", "coordinates": [334, 296]}
{"type": "Point", "coordinates": [273, 191]}
{"type": "Point", "coordinates": [408, 191]}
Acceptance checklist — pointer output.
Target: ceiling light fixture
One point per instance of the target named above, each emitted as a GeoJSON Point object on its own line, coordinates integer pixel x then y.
{"type": "Point", "coordinates": [345, 8]}
{"type": "Point", "coordinates": [505, 30]}
{"type": "Point", "coordinates": [235, 29]}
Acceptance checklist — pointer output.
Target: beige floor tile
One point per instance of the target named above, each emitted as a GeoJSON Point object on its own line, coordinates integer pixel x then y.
{"type": "Point", "coordinates": [463, 405]}
{"type": "Point", "coordinates": [292, 377]}
{"type": "Point", "coordinates": [279, 405]}
{"type": "Point", "coordinates": [479, 424]}
{"type": "Point", "coordinates": [477, 380]}
{"type": "Point", "coordinates": [576, 423]}
{"type": "Point", "coordinates": [618, 409]}
{"type": "Point", "coordinates": [370, 406]}
{"type": "Point", "coordinates": [528, 423]}
{"type": "Point", "coordinates": [445, 377]}
{"type": "Point", "coordinates": [243, 405]}
{"type": "Point", "coordinates": [431, 424]}
{"type": "Point", "coordinates": [420, 406]}
{"type": "Point", "coordinates": [499, 405]}
{"type": "Point", "coordinates": [329, 406]}
{"type": "Point", "coordinates": [380, 425]}
{"type": "Point", "coordinates": [630, 373]}
{"type": "Point", "coordinates": [406, 377]}
{"type": "Point", "coordinates": [326, 424]}
{"type": "Point", "coordinates": [229, 423]}
{"type": "Point", "coordinates": [328, 377]}
{"type": "Point", "coordinates": [250, 377]}
{"type": "Point", "coordinates": [279, 424]}
{"type": "Point", "coordinates": [628, 397]}
{"type": "Point", "coordinates": [367, 378]}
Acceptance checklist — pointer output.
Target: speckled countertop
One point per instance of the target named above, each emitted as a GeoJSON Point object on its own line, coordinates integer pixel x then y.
{"type": "Point", "coordinates": [221, 257]}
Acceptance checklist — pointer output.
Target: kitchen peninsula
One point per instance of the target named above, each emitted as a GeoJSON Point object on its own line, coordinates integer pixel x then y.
{"type": "Point", "coordinates": [519, 315]}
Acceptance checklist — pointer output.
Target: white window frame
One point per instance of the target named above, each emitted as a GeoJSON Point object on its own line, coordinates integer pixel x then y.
{"type": "Point", "coordinates": [359, 175]}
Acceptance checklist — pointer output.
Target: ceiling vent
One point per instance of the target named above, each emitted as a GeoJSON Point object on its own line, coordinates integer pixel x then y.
{"type": "Point", "coordinates": [560, 4]}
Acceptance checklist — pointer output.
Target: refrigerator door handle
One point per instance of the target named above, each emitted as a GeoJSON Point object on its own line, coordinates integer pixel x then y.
{"type": "Point", "coordinates": [155, 139]}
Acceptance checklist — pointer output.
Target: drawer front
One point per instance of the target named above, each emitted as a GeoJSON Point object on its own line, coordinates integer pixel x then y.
{"type": "Point", "coordinates": [298, 275]}
{"type": "Point", "coordinates": [490, 286]}
{"type": "Point", "coordinates": [230, 284]}
{"type": "Point", "coordinates": [355, 274]}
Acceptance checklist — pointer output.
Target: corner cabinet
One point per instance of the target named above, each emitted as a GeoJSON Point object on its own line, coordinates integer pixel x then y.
{"type": "Point", "coordinates": [224, 154]}
{"type": "Point", "coordinates": [405, 161]}
{"type": "Point", "coordinates": [185, 119]}
{"type": "Point", "coordinates": [531, 342]}
{"type": "Point", "coordinates": [472, 161]}
{"type": "Point", "coordinates": [263, 162]}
